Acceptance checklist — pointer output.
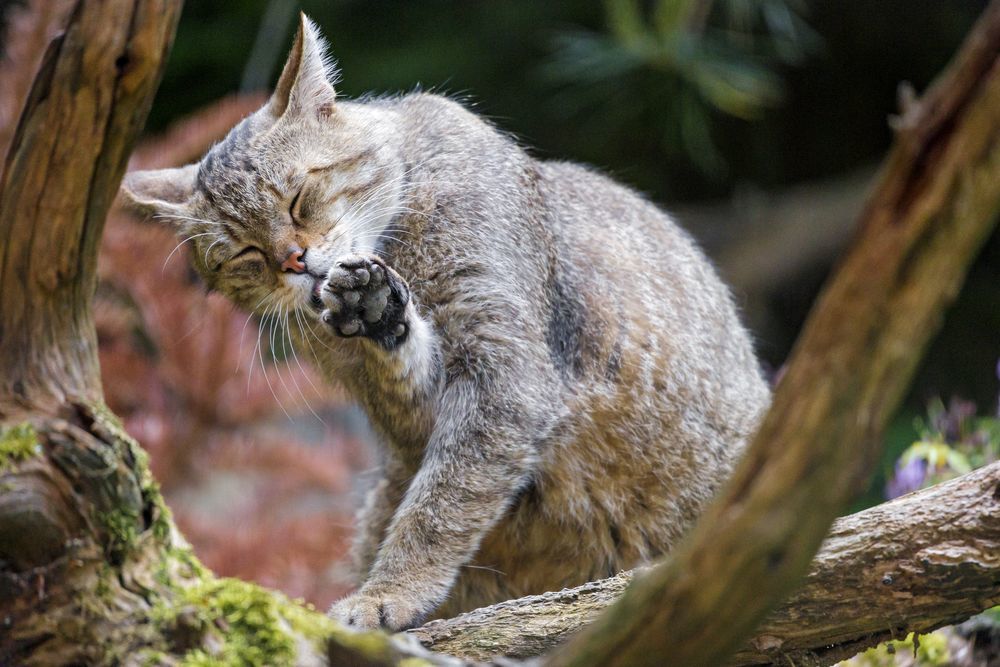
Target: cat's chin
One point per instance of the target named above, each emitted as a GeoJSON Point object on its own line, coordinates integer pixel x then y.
{"type": "Point", "coordinates": [305, 289]}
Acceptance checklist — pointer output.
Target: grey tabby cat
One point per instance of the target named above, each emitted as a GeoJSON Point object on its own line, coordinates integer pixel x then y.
{"type": "Point", "coordinates": [559, 378]}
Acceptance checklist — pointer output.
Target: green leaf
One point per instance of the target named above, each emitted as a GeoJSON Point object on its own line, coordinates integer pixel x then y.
{"type": "Point", "coordinates": [625, 20]}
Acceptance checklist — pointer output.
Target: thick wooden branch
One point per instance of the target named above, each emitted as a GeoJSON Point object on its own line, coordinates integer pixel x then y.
{"type": "Point", "coordinates": [933, 207]}
{"type": "Point", "coordinates": [82, 116]}
{"type": "Point", "coordinates": [916, 563]}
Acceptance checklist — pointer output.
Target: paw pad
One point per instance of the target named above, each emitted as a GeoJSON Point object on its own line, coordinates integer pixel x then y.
{"type": "Point", "coordinates": [364, 297]}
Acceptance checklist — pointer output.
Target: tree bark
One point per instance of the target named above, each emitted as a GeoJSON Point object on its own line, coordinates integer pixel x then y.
{"type": "Point", "coordinates": [924, 560]}
{"type": "Point", "coordinates": [86, 106]}
{"type": "Point", "coordinates": [931, 210]}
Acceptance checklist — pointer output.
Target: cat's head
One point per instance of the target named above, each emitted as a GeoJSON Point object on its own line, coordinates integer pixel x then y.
{"type": "Point", "coordinates": [304, 180]}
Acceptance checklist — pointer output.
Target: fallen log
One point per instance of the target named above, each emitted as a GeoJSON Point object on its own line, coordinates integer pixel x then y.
{"type": "Point", "coordinates": [919, 562]}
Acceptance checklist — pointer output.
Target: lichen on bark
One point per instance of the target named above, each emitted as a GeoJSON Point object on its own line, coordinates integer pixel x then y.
{"type": "Point", "coordinates": [17, 443]}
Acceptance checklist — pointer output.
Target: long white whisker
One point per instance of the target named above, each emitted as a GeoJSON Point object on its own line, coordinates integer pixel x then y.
{"type": "Point", "coordinates": [273, 347]}
{"type": "Point", "coordinates": [372, 194]}
{"type": "Point", "coordinates": [260, 354]}
{"type": "Point", "coordinates": [193, 236]}
{"type": "Point", "coordinates": [169, 216]}
{"type": "Point", "coordinates": [209, 249]}
{"type": "Point", "coordinates": [298, 320]}
{"type": "Point", "coordinates": [253, 354]}
{"type": "Point", "coordinates": [373, 236]}
{"type": "Point", "coordinates": [316, 336]}
{"type": "Point", "coordinates": [295, 356]}
{"type": "Point", "coordinates": [367, 217]}
{"type": "Point", "coordinates": [243, 331]}
{"type": "Point", "coordinates": [282, 323]}
{"type": "Point", "coordinates": [291, 342]}
{"type": "Point", "coordinates": [385, 185]}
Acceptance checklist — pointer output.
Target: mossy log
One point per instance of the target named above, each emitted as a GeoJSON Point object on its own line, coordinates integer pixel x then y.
{"type": "Point", "coordinates": [93, 572]}
{"type": "Point", "coordinates": [916, 563]}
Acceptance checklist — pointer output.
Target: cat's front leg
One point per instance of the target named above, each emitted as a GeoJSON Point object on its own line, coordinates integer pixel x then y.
{"type": "Point", "coordinates": [478, 458]}
{"type": "Point", "coordinates": [366, 298]}
{"type": "Point", "coordinates": [398, 349]}
{"type": "Point", "coordinates": [376, 513]}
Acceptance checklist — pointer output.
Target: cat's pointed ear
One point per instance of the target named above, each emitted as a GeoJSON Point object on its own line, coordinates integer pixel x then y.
{"type": "Point", "coordinates": [160, 193]}
{"type": "Point", "coordinates": [305, 85]}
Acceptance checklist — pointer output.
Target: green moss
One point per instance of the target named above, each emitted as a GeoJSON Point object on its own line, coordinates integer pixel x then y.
{"type": "Point", "coordinates": [109, 427]}
{"type": "Point", "coordinates": [151, 496]}
{"type": "Point", "coordinates": [18, 443]}
{"type": "Point", "coordinates": [104, 575]}
{"type": "Point", "coordinates": [105, 418]}
{"type": "Point", "coordinates": [123, 529]}
{"type": "Point", "coordinates": [931, 650]}
{"type": "Point", "coordinates": [152, 658]}
{"type": "Point", "coordinates": [373, 645]}
{"type": "Point", "coordinates": [203, 620]}
{"type": "Point", "coordinates": [252, 626]}
{"type": "Point", "coordinates": [993, 614]}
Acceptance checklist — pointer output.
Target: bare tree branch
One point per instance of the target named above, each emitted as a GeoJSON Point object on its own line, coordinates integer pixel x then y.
{"type": "Point", "coordinates": [913, 564]}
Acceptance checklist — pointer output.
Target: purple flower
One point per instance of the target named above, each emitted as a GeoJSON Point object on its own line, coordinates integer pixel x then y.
{"type": "Point", "coordinates": [906, 478]}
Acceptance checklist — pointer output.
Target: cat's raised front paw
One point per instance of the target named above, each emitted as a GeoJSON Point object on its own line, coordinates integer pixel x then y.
{"type": "Point", "coordinates": [368, 611]}
{"type": "Point", "coordinates": [364, 297]}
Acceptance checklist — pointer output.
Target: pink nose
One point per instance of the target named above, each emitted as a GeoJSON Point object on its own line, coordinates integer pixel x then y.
{"type": "Point", "coordinates": [294, 260]}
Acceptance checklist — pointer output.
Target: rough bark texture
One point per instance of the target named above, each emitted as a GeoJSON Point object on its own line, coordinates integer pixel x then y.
{"type": "Point", "coordinates": [914, 564]}
{"type": "Point", "coordinates": [932, 208]}
{"type": "Point", "coordinates": [85, 108]}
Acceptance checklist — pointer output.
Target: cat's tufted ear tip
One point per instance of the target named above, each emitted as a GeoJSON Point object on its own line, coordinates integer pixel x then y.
{"type": "Point", "coordinates": [306, 24]}
{"type": "Point", "coordinates": [161, 194]}
{"type": "Point", "coordinates": [305, 84]}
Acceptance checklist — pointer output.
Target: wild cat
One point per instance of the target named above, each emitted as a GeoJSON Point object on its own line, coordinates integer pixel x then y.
{"type": "Point", "coordinates": [558, 377]}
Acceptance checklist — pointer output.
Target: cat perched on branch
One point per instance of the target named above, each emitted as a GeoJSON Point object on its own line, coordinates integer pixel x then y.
{"type": "Point", "coordinates": [558, 376]}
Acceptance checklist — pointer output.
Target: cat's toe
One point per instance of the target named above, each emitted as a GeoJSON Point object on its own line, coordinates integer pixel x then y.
{"type": "Point", "coordinates": [375, 303]}
{"type": "Point", "coordinates": [350, 328]}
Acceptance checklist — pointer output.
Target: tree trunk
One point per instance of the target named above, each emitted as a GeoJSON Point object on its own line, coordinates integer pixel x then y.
{"type": "Point", "coordinates": [92, 570]}
{"type": "Point", "coordinates": [924, 560]}
{"type": "Point", "coordinates": [931, 210]}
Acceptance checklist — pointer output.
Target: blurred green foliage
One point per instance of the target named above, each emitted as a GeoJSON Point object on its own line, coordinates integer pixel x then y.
{"type": "Point", "coordinates": [928, 650]}
{"type": "Point", "coordinates": [707, 56]}
{"type": "Point", "coordinates": [924, 449]}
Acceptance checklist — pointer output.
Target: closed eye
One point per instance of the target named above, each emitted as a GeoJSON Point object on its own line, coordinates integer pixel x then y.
{"type": "Point", "coordinates": [246, 252]}
{"type": "Point", "coordinates": [293, 208]}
